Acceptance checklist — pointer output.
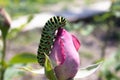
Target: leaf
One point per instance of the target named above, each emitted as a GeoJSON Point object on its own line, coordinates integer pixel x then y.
{"type": "Point", "coordinates": [49, 69]}
{"type": "Point", "coordinates": [84, 72]}
{"type": "Point", "coordinates": [14, 32]}
{"type": "Point", "coordinates": [49, 72]}
{"type": "Point", "coordinates": [34, 71]}
{"type": "Point", "coordinates": [23, 58]}
{"type": "Point", "coordinates": [30, 17]}
{"type": "Point", "coordinates": [12, 72]}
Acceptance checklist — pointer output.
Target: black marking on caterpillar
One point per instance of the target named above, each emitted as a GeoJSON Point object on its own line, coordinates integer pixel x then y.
{"type": "Point", "coordinates": [48, 36]}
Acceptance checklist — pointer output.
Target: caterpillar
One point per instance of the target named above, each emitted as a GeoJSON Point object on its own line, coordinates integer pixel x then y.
{"type": "Point", "coordinates": [48, 37]}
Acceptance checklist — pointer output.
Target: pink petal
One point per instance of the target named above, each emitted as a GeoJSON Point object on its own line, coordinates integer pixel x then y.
{"type": "Point", "coordinates": [76, 42]}
{"type": "Point", "coordinates": [57, 54]}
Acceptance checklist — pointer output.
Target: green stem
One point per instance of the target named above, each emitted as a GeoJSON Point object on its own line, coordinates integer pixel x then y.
{"type": "Point", "coordinates": [3, 59]}
{"type": "Point", "coordinates": [104, 46]}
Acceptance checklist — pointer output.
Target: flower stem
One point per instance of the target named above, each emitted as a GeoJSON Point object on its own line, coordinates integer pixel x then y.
{"type": "Point", "coordinates": [3, 60]}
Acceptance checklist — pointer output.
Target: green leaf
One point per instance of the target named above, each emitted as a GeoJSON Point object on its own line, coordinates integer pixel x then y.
{"type": "Point", "coordinates": [49, 69]}
{"type": "Point", "coordinates": [84, 72]}
{"type": "Point", "coordinates": [12, 72]}
{"type": "Point", "coordinates": [32, 70]}
{"type": "Point", "coordinates": [23, 58]}
{"type": "Point", "coordinates": [30, 17]}
{"type": "Point", "coordinates": [14, 32]}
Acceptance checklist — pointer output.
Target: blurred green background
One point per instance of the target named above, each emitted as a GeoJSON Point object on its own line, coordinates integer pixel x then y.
{"type": "Point", "coordinates": [99, 35]}
{"type": "Point", "coordinates": [23, 7]}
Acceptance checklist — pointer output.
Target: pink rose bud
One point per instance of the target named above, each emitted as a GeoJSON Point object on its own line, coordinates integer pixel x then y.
{"type": "Point", "coordinates": [64, 55]}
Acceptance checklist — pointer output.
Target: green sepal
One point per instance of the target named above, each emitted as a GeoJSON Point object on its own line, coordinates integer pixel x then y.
{"type": "Point", "coordinates": [87, 71]}
{"type": "Point", "coordinates": [49, 72]}
{"type": "Point", "coordinates": [4, 30]}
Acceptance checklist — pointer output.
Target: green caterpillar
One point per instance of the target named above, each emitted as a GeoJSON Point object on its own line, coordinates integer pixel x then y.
{"type": "Point", "coordinates": [48, 36]}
